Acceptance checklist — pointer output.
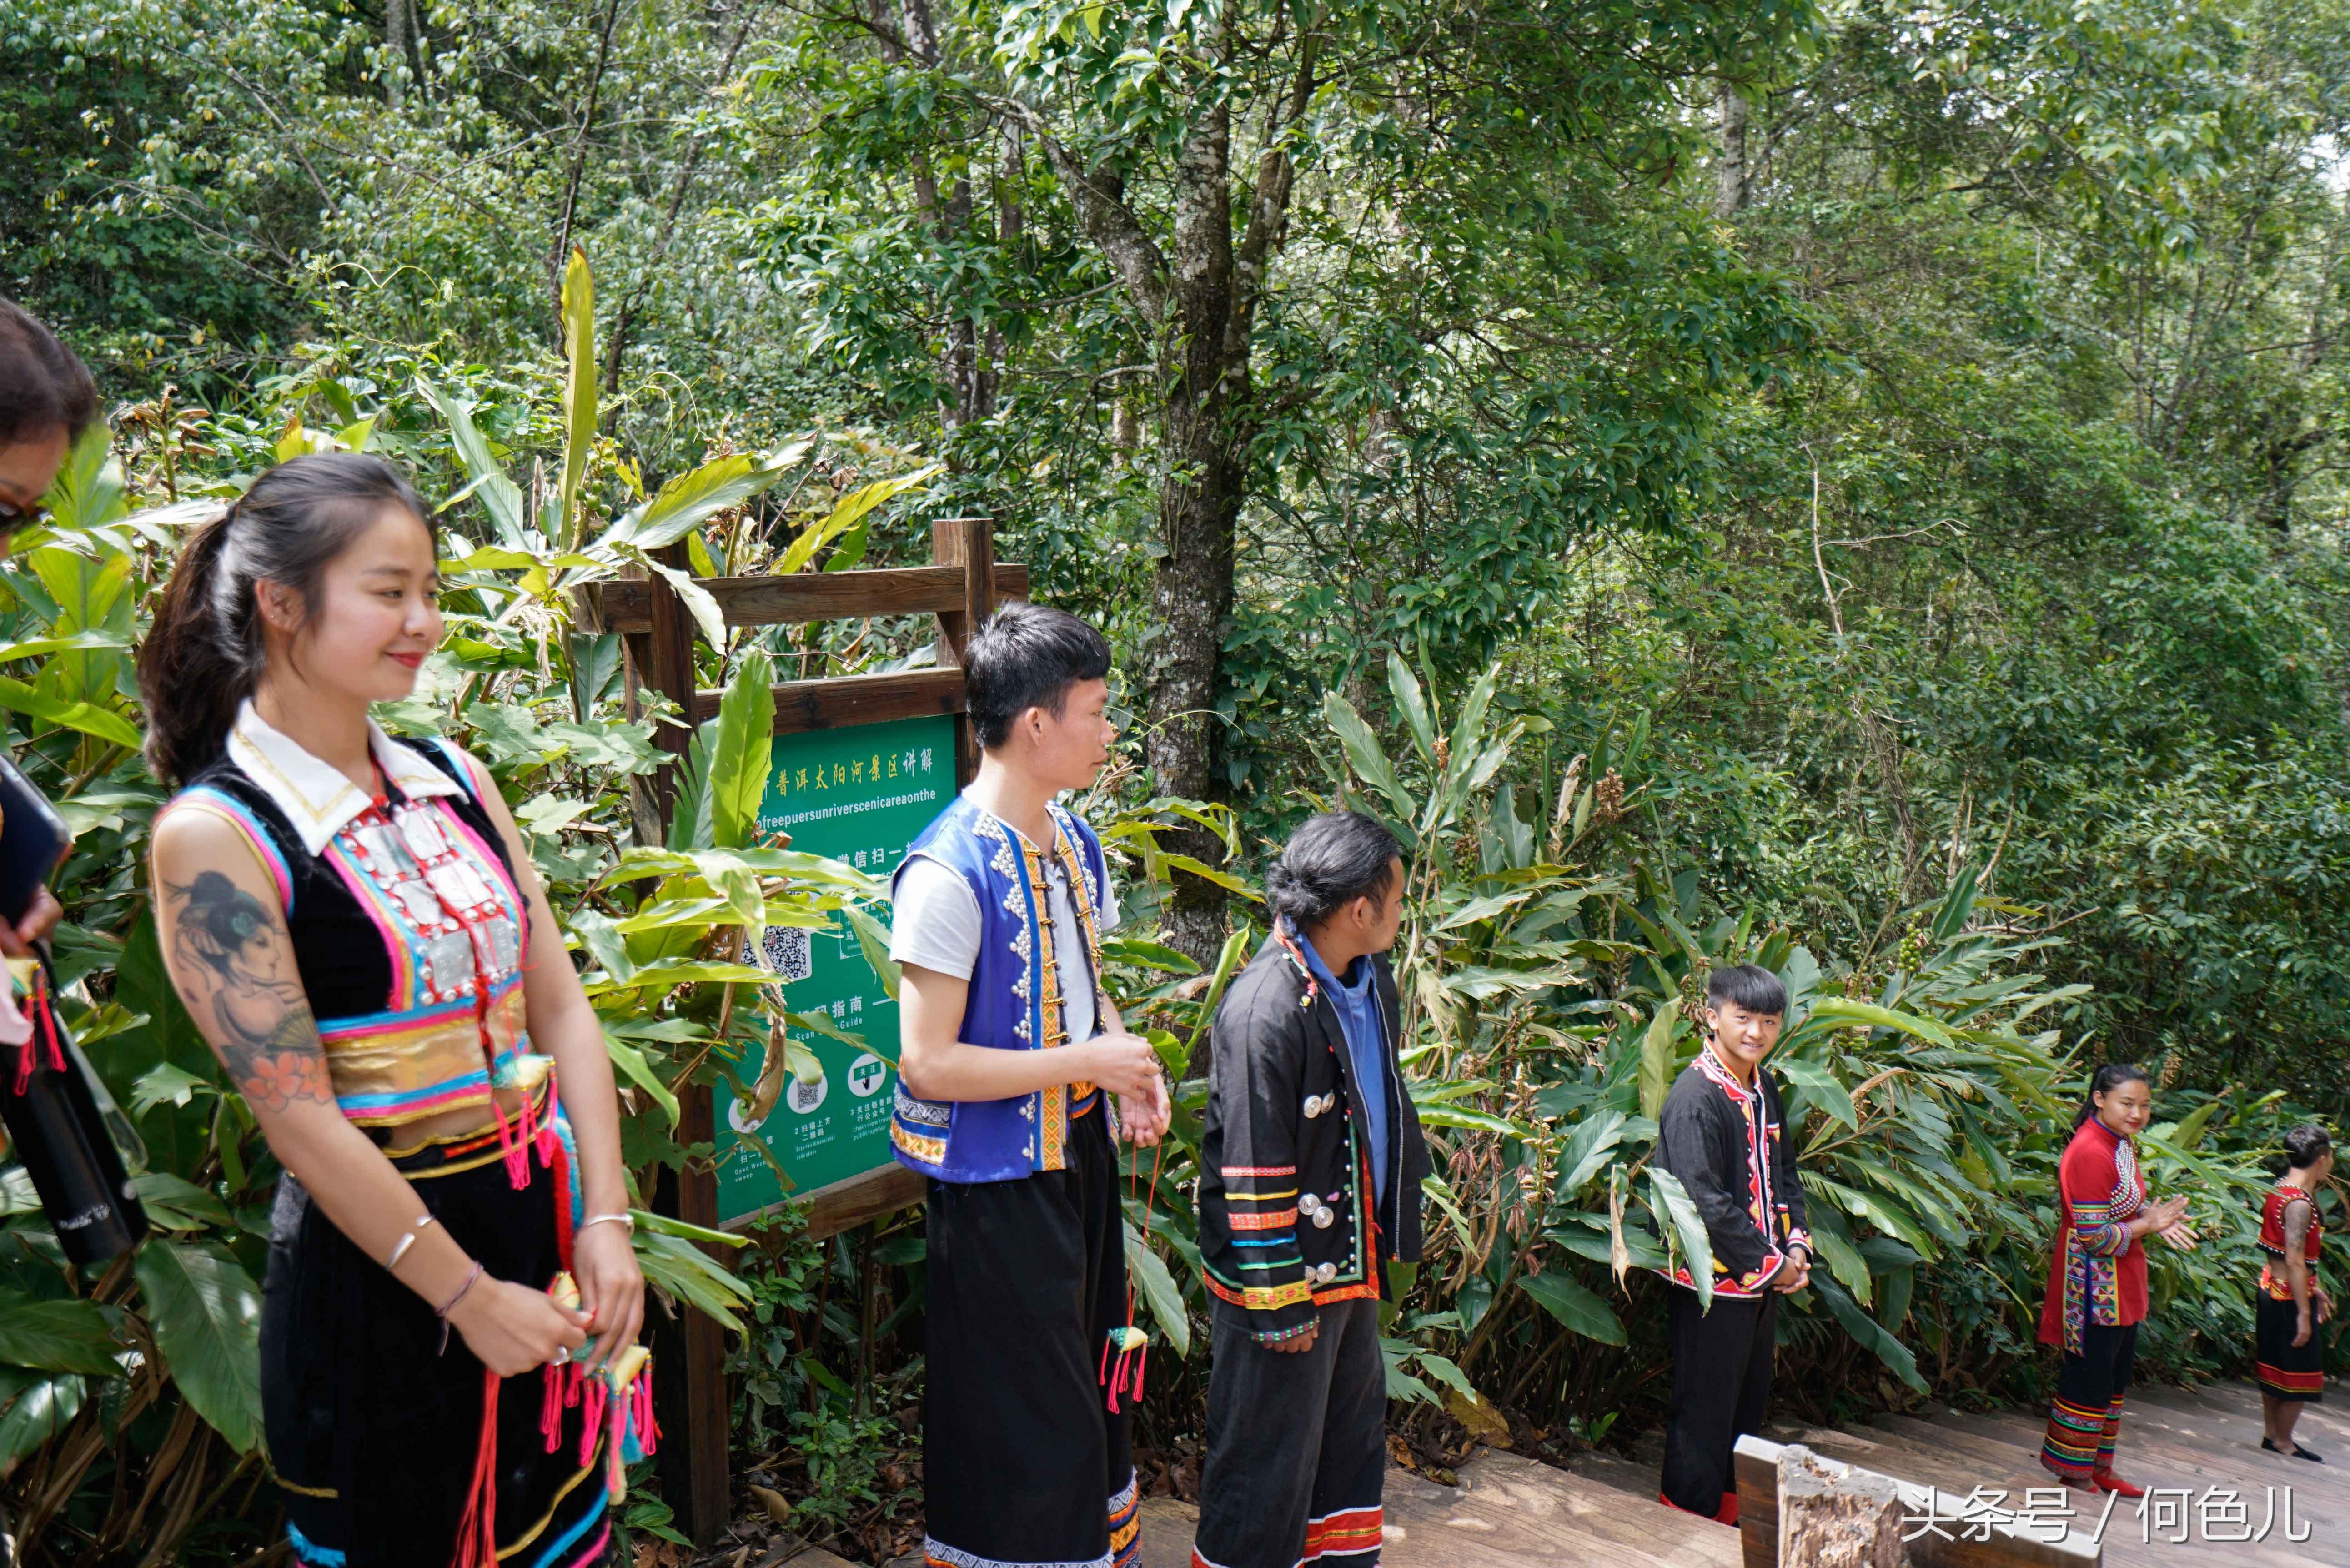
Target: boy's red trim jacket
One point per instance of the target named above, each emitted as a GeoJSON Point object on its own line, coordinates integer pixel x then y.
{"type": "Point", "coordinates": [1726, 1143]}
{"type": "Point", "coordinates": [1287, 1216]}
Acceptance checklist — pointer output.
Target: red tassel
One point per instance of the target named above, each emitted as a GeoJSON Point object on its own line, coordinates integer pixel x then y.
{"type": "Point", "coordinates": [477, 1530]}
{"type": "Point", "coordinates": [562, 1168]}
{"type": "Point", "coordinates": [1142, 1360]}
{"type": "Point", "coordinates": [45, 1025]}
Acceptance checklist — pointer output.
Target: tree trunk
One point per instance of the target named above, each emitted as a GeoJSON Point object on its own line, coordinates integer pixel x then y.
{"type": "Point", "coordinates": [1206, 375]}
{"type": "Point", "coordinates": [1730, 164]}
{"type": "Point", "coordinates": [395, 33]}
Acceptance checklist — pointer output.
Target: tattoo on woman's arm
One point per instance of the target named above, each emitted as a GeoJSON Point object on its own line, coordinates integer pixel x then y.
{"type": "Point", "coordinates": [235, 967]}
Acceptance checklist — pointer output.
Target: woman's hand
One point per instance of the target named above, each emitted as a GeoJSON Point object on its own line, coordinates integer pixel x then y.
{"type": "Point", "coordinates": [512, 1328]}
{"type": "Point", "coordinates": [1145, 1120]}
{"type": "Point", "coordinates": [18, 940]}
{"type": "Point", "coordinates": [2179, 1236]}
{"type": "Point", "coordinates": [611, 1288]}
{"type": "Point", "coordinates": [2162, 1216]}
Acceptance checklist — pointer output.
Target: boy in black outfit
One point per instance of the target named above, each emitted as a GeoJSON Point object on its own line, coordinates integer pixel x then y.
{"type": "Point", "coordinates": [1720, 1134]}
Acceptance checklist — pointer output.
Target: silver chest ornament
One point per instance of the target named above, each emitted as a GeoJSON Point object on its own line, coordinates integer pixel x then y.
{"type": "Point", "coordinates": [1316, 1104]}
{"type": "Point", "coordinates": [1313, 1208]}
{"type": "Point", "coordinates": [1324, 1273]}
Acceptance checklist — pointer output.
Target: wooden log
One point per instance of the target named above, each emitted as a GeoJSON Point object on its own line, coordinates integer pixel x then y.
{"type": "Point", "coordinates": [1836, 1516]}
{"type": "Point", "coordinates": [625, 605]}
{"type": "Point", "coordinates": [1946, 1529]}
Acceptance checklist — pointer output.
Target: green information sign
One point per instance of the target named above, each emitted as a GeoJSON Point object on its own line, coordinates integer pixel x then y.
{"type": "Point", "coordinates": [860, 796]}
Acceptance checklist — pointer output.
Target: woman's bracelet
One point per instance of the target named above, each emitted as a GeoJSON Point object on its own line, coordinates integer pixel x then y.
{"type": "Point", "coordinates": [445, 1308]}
{"type": "Point", "coordinates": [625, 1221]}
{"type": "Point", "coordinates": [400, 1249]}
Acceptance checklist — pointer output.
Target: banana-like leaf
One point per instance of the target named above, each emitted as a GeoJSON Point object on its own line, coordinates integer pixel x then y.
{"type": "Point", "coordinates": [1575, 1306]}
{"type": "Point", "coordinates": [1208, 873]}
{"type": "Point", "coordinates": [678, 1266]}
{"type": "Point", "coordinates": [578, 310]}
{"type": "Point", "coordinates": [631, 1063]}
{"type": "Point", "coordinates": [1412, 703]}
{"type": "Point", "coordinates": [693, 498]}
{"type": "Point", "coordinates": [1157, 1286]}
{"type": "Point", "coordinates": [1826, 1092]}
{"type": "Point", "coordinates": [873, 941]}
{"type": "Point", "coordinates": [740, 761]}
{"type": "Point", "coordinates": [87, 717]}
{"type": "Point", "coordinates": [848, 511]}
{"type": "Point", "coordinates": [499, 495]}
{"type": "Point", "coordinates": [1657, 1057]}
{"type": "Point", "coordinates": [206, 1314]}
{"type": "Point", "coordinates": [1688, 1227]}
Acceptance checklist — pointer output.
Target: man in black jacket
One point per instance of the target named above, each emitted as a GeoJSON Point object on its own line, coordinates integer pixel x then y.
{"type": "Point", "coordinates": [1311, 1167]}
{"type": "Point", "coordinates": [1720, 1134]}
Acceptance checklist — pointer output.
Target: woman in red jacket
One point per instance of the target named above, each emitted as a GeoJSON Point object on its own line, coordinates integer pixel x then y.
{"type": "Point", "coordinates": [2096, 1280]}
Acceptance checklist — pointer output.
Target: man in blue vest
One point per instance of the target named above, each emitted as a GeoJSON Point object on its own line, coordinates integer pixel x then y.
{"type": "Point", "coordinates": [1009, 1053]}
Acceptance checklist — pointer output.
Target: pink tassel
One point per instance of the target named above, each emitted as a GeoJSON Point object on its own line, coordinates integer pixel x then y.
{"type": "Point", "coordinates": [592, 1423]}
{"type": "Point", "coordinates": [647, 1429]}
{"type": "Point", "coordinates": [550, 1404]}
{"type": "Point", "coordinates": [477, 1541]}
{"type": "Point", "coordinates": [1142, 1360]}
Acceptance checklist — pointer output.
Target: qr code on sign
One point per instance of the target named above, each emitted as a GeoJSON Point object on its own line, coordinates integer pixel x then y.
{"type": "Point", "coordinates": [786, 951]}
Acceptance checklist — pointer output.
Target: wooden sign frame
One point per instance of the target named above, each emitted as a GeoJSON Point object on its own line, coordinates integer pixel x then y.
{"type": "Point", "coordinates": [961, 588]}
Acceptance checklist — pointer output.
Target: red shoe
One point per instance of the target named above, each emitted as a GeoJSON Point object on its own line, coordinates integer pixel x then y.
{"type": "Point", "coordinates": [2108, 1481]}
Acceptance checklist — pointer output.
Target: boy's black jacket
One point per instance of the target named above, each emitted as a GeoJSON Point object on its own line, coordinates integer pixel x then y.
{"type": "Point", "coordinates": [1753, 1217]}
{"type": "Point", "coordinates": [1266, 1166]}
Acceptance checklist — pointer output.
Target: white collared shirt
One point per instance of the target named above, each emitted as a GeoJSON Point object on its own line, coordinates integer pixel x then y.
{"type": "Point", "coordinates": [317, 798]}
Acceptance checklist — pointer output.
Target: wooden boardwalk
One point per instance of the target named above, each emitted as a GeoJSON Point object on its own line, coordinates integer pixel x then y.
{"type": "Point", "coordinates": [1602, 1511]}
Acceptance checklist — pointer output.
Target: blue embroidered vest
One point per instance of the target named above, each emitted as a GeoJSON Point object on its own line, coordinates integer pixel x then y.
{"type": "Point", "coordinates": [1015, 1001]}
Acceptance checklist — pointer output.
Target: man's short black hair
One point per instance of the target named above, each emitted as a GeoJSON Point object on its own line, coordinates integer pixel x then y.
{"type": "Point", "coordinates": [1025, 656]}
{"type": "Point", "coordinates": [2306, 1144]}
{"type": "Point", "coordinates": [44, 385]}
{"type": "Point", "coordinates": [1747, 986]}
{"type": "Point", "coordinates": [1331, 861]}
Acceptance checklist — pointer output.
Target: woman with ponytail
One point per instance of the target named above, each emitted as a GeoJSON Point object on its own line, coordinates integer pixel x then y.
{"type": "Point", "coordinates": [448, 1325]}
{"type": "Point", "coordinates": [2096, 1280]}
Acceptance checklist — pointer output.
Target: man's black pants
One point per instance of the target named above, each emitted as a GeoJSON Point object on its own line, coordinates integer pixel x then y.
{"type": "Point", "coordinates": [1722, 1391]}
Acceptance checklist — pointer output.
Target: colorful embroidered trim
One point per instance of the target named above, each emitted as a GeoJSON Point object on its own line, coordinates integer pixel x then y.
{"type": "Point", "coordinates": [234, 812]}
{"type": "Point", "coordinates": [1276, 1336]}
{"type": "Point", "coordinates": [1344, 1534]}
{"type": "Point", "coordinates": [1126, 1526]}
{"type": "Point", "coordinates": [2302, 1385]}
{"type": "Point", "coordinates": [2071, 1446]}
{"type": "Point", "coordinates": [1232, 1170]}
{"type": "Point", "coordinates": [1260, 1298]}
{"type": "Point", "coordinates": [937, 1554]}
{"type": "Point", "coordinates": [1270, 1220]}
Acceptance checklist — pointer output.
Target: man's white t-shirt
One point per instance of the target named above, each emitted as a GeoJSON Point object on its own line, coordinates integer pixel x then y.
{"type": "Point", "coordinates": [935, 923]}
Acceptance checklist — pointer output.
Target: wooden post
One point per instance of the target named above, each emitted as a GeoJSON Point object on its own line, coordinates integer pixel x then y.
{"type": "Point", "coordinates": [699, 1426]}
{"type": "Point", "coordinates": [967, 543]}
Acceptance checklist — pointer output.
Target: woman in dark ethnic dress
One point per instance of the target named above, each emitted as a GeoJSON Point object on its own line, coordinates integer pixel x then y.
{"type": "Point", "coordinates": [449, 1370]}
{"type": "Point", "coordinates": [2290, 1303]}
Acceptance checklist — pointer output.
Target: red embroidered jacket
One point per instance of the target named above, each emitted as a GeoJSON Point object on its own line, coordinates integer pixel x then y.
{"type": "Point", "coordinates": [2098, 1273]}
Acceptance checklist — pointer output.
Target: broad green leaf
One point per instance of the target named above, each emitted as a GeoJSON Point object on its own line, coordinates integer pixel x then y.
{"type": "Point", "coordinates": [1157, 1286]}
{"type": "Point", "coordinates": [648, 1221]}
{"type": "Point", "coordinates": [1484, 908]}
{"type": "Point", "coordinates": [1363, 753]}
{"type": "Point", "coordinates": [88, 718]}
{"type": "Point", "coordinates": [1575, 1306]}
{"type": "Point", "coordinates": [1845, 1010]}
{"type": "Point", "coordinates": [1836, 1250]}
{"type": "Point", "coordinates": [847, 512]}
{"type": "Point", "coordinates": [174, 1204]}
{"type": "Point", "coordinates": [38, 1407]}
{"type": "Point", "coordinates": [1871, 1333]}
{"type": "Point", "coordinates": [744, 753]}
{"type": "Point", "coordinates": [1657, 1058]}
{"type": "Point", "coordinates": [165, 1082]}
{"type": "Point", "coordinates": [632, 1062]}
{"type": "Point", "coordinates": [56, 1335]}
{"type": "Point", "coordinates": [1586, 1149]}
{"type": "Point", "coordinates": [1207, 873]}
{"type": "Point", "coordinates": [707, 617]}
{"type": "Point", "coordinates": [206, 1314]}
{"type": "Point", "coordinates": [578, 310]}
{"type": "Point", "coordinates": [873, 941]}
{"type": "Point", "coordinates": [1826, 1092]}
{"type": "Point", "coordinates": [1688, 1227]}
